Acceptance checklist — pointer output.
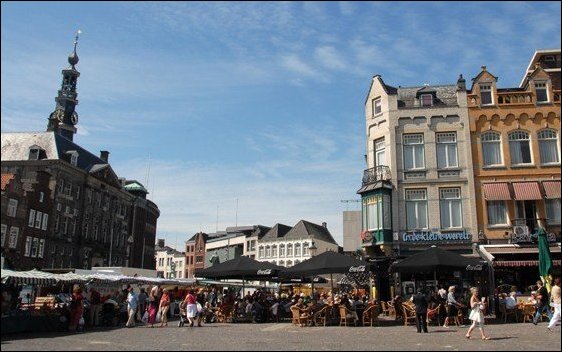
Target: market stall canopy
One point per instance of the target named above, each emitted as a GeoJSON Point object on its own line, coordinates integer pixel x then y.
{"type": "Point", "coordinates": [435, 259]}
{"type": "Point", "coordinates": [326, 263]}
{"type": "Point", "coordinates": [241, 268]}
{"type": "Point", "coordinates": [30, 277]}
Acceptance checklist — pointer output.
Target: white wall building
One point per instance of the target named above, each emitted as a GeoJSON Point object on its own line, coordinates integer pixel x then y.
{"type": "Point", "coordinates": [286, 246]}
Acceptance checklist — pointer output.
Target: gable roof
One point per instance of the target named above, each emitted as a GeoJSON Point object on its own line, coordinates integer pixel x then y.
{"type": "Point", "coordinates": [15, 147]}
{"type": "Point", "coordinates": [443, 94]}
{"type": "Point", "coordinates": [276, 232]}
{"type": "Point", "coordinates": [390, 90]}
{"type": "Point", "coordinates": [306, 229]}
{"type": "Point", "coordinates": [534, 59]}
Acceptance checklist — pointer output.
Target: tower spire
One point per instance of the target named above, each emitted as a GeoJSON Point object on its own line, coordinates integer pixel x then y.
{"type": "Point", "coordinates": [64, 117]}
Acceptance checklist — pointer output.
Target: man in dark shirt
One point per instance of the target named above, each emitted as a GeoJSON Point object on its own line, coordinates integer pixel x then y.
{"type": "Point", "coordinates": [420, 301]}
{"type": "Point", "coordinates": [542, 304]}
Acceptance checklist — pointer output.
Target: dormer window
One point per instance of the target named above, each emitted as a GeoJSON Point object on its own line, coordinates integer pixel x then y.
{"type": "Point", "coordinates": [426, 100]}
{"type": "Point", "coordinates": [486, 94]}
{"type": "Point", "coordinates": [549, 58]}
{"type": "Point", "coordinates": [73, 157]}
{"type": "Point", "coordinates": [35, 153]}
{"type": "Point", "coordinates": [540, 90]}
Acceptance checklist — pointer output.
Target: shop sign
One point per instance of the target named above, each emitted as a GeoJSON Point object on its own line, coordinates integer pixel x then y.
{"type": "Point", "coordinates": [477, 267]}
{"type": "Point", "coordinates": [357, 269]}
{"type": "Point", "coordinates": [522, 236]}
{"type": "Point", "coordinates": [264, 272]}
{"type": "Point", "coordinates": [429, 236]}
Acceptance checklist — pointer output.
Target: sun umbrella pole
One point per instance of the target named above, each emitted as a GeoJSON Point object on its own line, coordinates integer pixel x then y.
{"type": "Point", "coordinates": [312, 286]}
{"type": "Point", "coordinates": [332, 283]}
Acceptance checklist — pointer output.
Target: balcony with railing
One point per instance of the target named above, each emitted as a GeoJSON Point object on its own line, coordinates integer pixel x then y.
{"type": "Point", "coordinates": [376, 174]}
{"type": "Point", "coordinates": [515, 98]}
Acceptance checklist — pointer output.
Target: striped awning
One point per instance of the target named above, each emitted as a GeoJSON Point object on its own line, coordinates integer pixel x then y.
{"type": "Point", "coordinates": [510, 263]}
{"type": "Point", "coordinates": [31, 277]}
{"type": "Point", "coordinates": [496, 191]}
{"type": "Point", "coordinates": [551, 189]}
{"type": "Point", "coordinates": [526, 191]}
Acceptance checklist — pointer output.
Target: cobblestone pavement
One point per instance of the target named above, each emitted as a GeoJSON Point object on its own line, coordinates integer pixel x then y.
{"type": "Point", "coordinates": [284, 336]}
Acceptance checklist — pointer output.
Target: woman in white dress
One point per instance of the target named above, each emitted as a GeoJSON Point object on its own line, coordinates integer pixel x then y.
{"type": "Point", "coordinates": [477, 307]}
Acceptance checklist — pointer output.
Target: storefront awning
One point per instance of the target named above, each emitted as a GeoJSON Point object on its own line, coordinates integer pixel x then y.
{"type": "Point", "coordinates": [526, 191]}
{"type": "Point", "coordinates": [551, 189]}
{"type": "Point", "coordinates": [519, 263]}
{"type": "Point", "coordinates": [496, 191]}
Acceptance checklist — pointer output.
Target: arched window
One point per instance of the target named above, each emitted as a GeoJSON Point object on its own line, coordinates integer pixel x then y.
{"type": "Point", "coordinates": [297, 249]}
{"type": "Point", "coordinates": [491, 148]}
{"type": "Point", "coordinates": [305, 248]}
{"type": "Point", "coordinates": [260, 255]}
{"type": "Point", "coordinates": [267, 251]}
{"type": "Point", "coordinates": [274, 251]}
{"type": "Point", "coordinates": [281, 250]}
{"type": "Point", "coordinates": [548, 146]}
{"type": "Point", "coordinates": [281, 263]}
{"type": "Point", "coordinates": [519, 147]}
{"type": "Point", "coordinates": [289, 250]}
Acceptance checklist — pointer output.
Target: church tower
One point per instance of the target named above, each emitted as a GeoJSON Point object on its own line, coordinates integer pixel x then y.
{"type": "Point", "coordinates": [64, 118]}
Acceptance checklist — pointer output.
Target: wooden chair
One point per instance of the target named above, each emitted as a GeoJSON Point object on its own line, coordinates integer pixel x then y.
{"type": "Point", "coordinates": [384, 308]}
{"type": "Point", "coordinates": [319, 317]}
{"type": "Point", "coordinates": [409, 314]}
{"type": "Point", "coordinates": [527, 311]}
{"type": "Point", "coordinates": [344, 318]}
{"type": "Point", "coordinates": [371, 315]}
{"type": "Point", "coordinates": [435, 313]}
{"type": "Point", "coordinates": [300, 317]}
{"type": "Point", "coordinates": [507, 312]}
{"type": "Point", "coordinates": [391, 309]}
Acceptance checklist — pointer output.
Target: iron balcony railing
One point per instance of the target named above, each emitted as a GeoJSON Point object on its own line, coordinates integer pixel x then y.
{"type": "Point", "coordinates": [375, 174]}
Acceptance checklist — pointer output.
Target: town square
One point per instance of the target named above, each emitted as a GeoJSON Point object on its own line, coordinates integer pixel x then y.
{"type": "Point", "coordinates": [296, 175]}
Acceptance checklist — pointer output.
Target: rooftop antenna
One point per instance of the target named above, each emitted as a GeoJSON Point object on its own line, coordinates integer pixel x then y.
{"type": "Point", "coordinates": [347, 201]}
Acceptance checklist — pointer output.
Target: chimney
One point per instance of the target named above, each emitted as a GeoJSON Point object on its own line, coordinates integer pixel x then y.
{"type": "Point", "coordinates": [461, 84]}
{"type": "Point", "coordinates": [483, 68]}
{"type": "Point", "coordinates": [104, 155]}
{"type": "Point", "coordinates": [325, 225]}
{"type": "Point", "coordinates": [161, 242]}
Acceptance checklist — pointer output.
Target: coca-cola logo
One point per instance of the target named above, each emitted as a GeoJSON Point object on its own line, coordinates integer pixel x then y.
{"type": "Point", "coordinates": [264, 272]}
{"type": "Point", "coordinates": [357, 269]}
{"type": "Point", "coordinates": [477, 267]}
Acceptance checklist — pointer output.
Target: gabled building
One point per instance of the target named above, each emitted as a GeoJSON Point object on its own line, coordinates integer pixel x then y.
{"type": "Point", "coordinates": [86, 215]}
{"type": "Point", "coordinates": [418, 188]}
{"type": "Point", "coordinates": [286, 246]}
{"type": "Point", "coordinates": [195, 254]}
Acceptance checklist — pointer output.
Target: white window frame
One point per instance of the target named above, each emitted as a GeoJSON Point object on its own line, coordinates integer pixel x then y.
{"type": "Point", "coordinates": [268, 251]}
{"type": "Point", "coordinates": [45, 221]}
{"type": "Point", "coordinates": [27, 251]}
{"type": "Point", "coordinates": [548, 136]}
{"type": "Point", "coordinates": [38, 218]}
{"type": "Point", "coordinates": [542, 85]}
{"type": "Point", "coordinates": [486, 88]}
{"type": "Point", "coordinates": [447, 140]}
{"type": "Point", "coordinates": [494, 204]}
{"type": "Point", "coordinates": [274, 251]}
{"type": "Point", "coordinates": [13, 240]}
{"type": "Point", "coordinates": [489, 138]}
{"type": "Point", "coordinates": [41, 250]}
{"type": "Point", "coordinates": [517, 137]}
{"type": "Point", "coordinates": [34, 247]}
{"type": "Point", "coordinates": [422, 96]}
{"type": "Point", "coordinates": [282, 250]}
{"type": "Point", "coordinates": [305, 251]}
{"type": "Point", "coordinates": [297, 250]}
{"type": "Point", "coordinates": [411, 141]}
{"type": "Point", "coordinates": [12, 207]}
{"type": "Point", "coordinates": [380, 150]}
{"type": "Point", "coordinates": [31, 221]}
{"type": "Point", "coordinates": [447, 197]}
{"type": "Point", "coordinates": [261, 252]}
{"type": "Point", "coordinates": [377, 104]}
{"type": "Point", "coordinates": [417, 196]}
{"type": "Point", "coordinates": [290, 247]}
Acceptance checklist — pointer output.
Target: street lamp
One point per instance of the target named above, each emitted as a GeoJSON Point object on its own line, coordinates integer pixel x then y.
{"type": "Point", "coordinates": [312, 249]}
{"type": "Point", "coordinates": [130, 242]}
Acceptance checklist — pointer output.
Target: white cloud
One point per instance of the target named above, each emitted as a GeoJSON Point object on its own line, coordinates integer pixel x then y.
{"type": "Point", "coordinates": [329, 57]}
{"type": "Point", "coordinates": [293, 63]}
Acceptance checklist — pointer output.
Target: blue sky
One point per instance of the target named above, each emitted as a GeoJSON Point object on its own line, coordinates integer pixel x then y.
{"type": "Point", "coordinates": [260, 102]}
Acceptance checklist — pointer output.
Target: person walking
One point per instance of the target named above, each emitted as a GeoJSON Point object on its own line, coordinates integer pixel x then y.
{"type": "Point", "coordinates": [477, 307]}
{"type": "Point", "coordinates": [452, 307]}
{"type": "Point", "coordinates": [152, 306]}
{"type": "Point", "coordinates": [555, 296]}
{"type": "Point", "coordinates": [132, 304]}
{"type": "Point", "coordinates": [542, 304]}
{"type": "Point", "coordinates": [191, 306]}
{"type": "Point", "coordinates": [421, 302]}
{"type": "Point", "coordinates": [95, 307]}
{"type": "Point", "coordinates": [142, 298]}
{"type": "Point", "coordinates": [76, 307]}
{"type": "Point", "coordinates": [164, 306]}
